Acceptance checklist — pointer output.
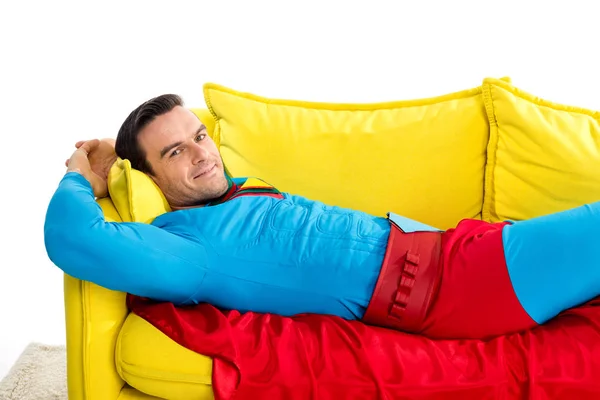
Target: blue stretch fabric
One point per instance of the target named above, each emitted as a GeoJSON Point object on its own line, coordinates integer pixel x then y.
{"type": "Point", "coordinates": [259, 253]}
{"type": "Point", "coordinates": [554, 261]}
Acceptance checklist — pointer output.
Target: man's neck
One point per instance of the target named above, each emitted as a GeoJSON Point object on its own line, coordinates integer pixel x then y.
{"type": "Point", "coordinates": [232, 188]}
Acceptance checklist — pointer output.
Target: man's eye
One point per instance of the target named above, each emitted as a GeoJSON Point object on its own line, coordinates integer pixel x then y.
{"type": "Point", "coordinates": [200, 137]}
{"type": "Point", "coordinates": [175, 152]}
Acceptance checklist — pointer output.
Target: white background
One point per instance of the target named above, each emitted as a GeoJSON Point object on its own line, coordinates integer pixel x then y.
{"type": "Point", "coordinates": [71, 71]}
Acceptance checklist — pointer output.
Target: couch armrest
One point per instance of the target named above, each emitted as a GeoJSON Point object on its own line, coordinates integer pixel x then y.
{"type": "Point", "coordinates": [93, 316]}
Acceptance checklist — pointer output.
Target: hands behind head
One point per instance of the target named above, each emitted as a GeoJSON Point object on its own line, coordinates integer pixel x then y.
{"type": "Point", "coordinates": [93, 159]}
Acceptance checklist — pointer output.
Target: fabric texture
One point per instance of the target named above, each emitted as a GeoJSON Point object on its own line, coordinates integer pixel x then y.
{"type": "Point", "coordinates": [38, 374]}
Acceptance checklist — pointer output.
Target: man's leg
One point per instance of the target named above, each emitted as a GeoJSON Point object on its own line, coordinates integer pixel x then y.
{"type": "Point", "coordinates": [554, 261]}
{"type": "Point", "coordinates": [502, 278]}
{"type": "Point", "coordinates": [475, 297]}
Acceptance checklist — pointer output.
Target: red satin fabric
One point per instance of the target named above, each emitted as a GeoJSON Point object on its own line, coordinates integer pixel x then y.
{"type": "Point", "coordinates": [326, 358]}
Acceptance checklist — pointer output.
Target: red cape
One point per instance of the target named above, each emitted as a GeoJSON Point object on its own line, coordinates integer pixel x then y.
{"type": "Point", "coordinates": [326, 358]}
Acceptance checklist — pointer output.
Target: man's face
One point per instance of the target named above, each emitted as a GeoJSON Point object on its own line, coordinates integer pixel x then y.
{"type": "Point", "coordinates": [186, 163]}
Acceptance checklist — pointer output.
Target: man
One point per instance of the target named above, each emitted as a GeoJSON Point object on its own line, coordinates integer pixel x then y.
{"type": "Point", "coordinates": [246, 246]}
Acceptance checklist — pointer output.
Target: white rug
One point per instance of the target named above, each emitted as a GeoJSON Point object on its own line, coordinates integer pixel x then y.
{"type": "Point", "coordinates": [40, 373]}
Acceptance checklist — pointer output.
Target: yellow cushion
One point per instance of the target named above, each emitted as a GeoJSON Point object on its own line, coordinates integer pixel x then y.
{"type": "Point", "coordinates": [206, 118]}
{"type": "Point", "coordinates": [421, 158]}
{"type": "Point", "coordinates": [169, 369]}
{"type": "Point", "coordinates": [543, 157]}
{"type": "Point", "coordinates": [135, 196]}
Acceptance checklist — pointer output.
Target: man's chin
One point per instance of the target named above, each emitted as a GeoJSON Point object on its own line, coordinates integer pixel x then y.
{"type": "Point", "coordinates": [213, 190]}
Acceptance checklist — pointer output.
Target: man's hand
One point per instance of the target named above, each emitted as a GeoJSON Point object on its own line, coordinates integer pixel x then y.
{"type": "Point", "coordinates": [101, 158]}
{"type": "Point", "coordinates": [93, 159]}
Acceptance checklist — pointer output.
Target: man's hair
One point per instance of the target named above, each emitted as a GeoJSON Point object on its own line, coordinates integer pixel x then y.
{"type": "Point", "coordinates": [127, 145]}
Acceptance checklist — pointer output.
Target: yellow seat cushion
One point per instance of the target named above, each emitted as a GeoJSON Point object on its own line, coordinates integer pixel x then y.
{"type": "Point", "coordinates": [376, 157]}
{"type": "Point", "coordinates": [543, 157]}
{"type": "Point", "coordinates": [154, 364]}
{"type": "Point", "coordinates": [146, 358]}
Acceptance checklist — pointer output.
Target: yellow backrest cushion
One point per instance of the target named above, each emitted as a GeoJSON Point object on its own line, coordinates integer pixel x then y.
{"type": "Point", "coordinates": [543, 157]}
{"type": "Point", "coordinates": [207, 119]}
{"type": "Point", "coordinates": [422, 158]}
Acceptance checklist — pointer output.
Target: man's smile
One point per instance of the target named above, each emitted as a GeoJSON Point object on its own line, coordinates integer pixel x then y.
{"type": "Point", "coordinates": [206, 172]}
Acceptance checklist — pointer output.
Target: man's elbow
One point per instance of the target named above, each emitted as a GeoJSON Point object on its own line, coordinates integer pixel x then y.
{"type": "Point", "coordinates": [64, 247]}
{"type": "Point", "coordinates": [71, 228]}
{"type": "Point", "coordinates": [57, 243]}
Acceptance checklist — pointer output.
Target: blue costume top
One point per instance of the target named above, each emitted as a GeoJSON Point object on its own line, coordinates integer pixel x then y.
{"type": "Point", "coordinates": [285, 255]}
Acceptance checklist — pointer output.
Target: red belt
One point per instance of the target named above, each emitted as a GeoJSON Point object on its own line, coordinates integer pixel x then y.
{"type": "Point", "coordinates": [407, 282]}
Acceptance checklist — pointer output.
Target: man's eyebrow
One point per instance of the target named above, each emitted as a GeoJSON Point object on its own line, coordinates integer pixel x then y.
{"type": "Point", "coordinates": [168, 147]}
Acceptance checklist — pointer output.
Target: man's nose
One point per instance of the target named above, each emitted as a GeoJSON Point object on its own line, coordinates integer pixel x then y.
{"type": "Point", "coordinates": [199, 153]}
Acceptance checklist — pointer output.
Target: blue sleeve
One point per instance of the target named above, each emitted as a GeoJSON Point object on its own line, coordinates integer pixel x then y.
{"type": "Point", "coordinates": [137, 258]}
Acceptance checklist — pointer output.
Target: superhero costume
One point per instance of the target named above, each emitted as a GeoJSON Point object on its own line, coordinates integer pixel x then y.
{"type": "Point", "coordinates": [269, 252]}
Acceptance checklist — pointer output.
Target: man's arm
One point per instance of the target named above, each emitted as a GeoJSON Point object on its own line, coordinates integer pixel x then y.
{"type": "Point", "coordinates": [131, 257]}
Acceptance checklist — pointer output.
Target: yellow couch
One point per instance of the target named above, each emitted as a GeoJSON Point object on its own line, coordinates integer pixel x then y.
{"type": "Point", "coordinates": [492, 152]}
